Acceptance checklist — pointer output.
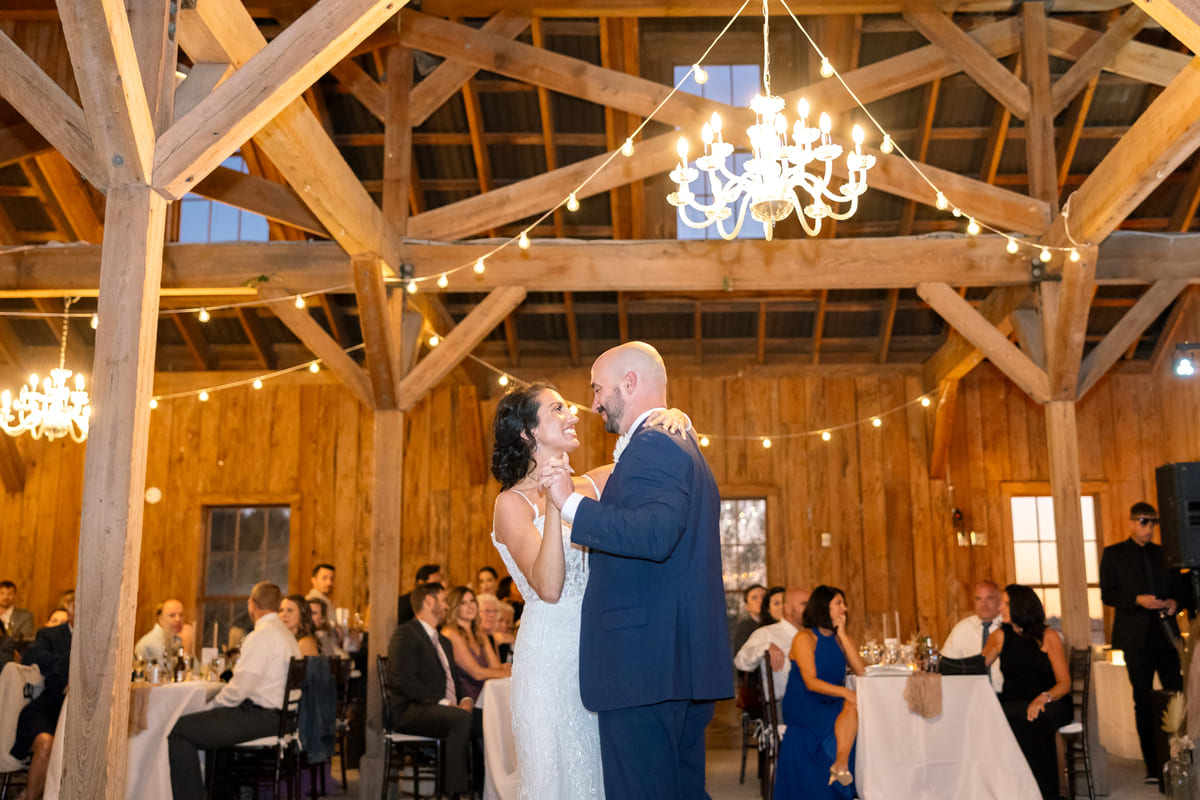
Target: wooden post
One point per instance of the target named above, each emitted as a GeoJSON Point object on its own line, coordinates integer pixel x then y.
{"type": "Point", "coordinates": [110, 534]}
{"type": "Point", "coordinates": [384, 583]}
{"type": "Point", "coordinates": [1063, 444]}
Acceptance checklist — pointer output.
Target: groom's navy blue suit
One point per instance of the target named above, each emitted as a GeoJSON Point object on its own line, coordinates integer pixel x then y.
{"type": "Point", "coordinates": [654, 645]}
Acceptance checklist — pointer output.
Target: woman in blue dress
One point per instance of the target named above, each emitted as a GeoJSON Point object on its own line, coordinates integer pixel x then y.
{"type": "Point", "coordinates": [816, 758]}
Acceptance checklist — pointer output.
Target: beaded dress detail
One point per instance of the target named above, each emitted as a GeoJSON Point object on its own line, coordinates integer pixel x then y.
{"type": "Point", "coordinates": [557, 739]}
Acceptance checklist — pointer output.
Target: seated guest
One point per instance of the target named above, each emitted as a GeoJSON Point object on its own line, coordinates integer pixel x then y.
{"type": "Point", "coordinates": [321, 583]}
{"type": "Point", "coordinates": [294, 614]}
{"type": "Point", "coordinates": [168, 635]}
{"type": "Point", "coordinates": [57, 617]}
{"type": "Point", "coordinates": [326, 634]}
{"type": "Point", "coordinates": [490, 625]}
{"type": "Point", "coordinates": [473, 652]}
{"type": "Point", "coordinates": [816, 758]}
{"type": "Point", "coordinates": [772, 606]}
{"type": "Point", "coordinates": [1036, 681]}
{"type": "Point", "coordinates": [15, 622]}
{"type": "Point", "coordinates": [970, 635]}
{"type": "Point", "coordinates": [422, 681]}
{"type": "Point", "coordinates": [510, 593]}
{"type": "Point", "coordinates": [486, 580]}
{"type": "Point", "coordinates": [775, 641]}
{"type": "Point", "coordinates": [751, 616]}
{"type": "Point", "coordinates": [506, 634]}
{"type": "Point", "coordinates": [51, 654]}
{"type": "Point", "coordinates": [428, 573]}
{"type": "Point", "coordinates": [248, 707]}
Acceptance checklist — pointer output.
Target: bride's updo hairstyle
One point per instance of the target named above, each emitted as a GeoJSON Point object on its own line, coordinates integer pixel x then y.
{"type": "Point", "coordinates": [516, 417]}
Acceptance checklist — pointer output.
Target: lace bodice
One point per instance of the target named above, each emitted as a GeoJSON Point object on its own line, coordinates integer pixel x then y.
{"type": "Point", "coordinates": [575, 578]}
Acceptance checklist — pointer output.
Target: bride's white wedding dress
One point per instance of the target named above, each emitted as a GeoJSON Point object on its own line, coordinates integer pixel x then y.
{"type": "Point", "coordinates": [557, 739]}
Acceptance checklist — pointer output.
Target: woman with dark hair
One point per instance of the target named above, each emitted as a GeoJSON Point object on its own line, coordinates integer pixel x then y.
{"type": "Point", "coordinates": [473, 652]}
{"type": "Point", "coordinates": [816, 758]}
{"type": "Point", "coordinates": [294, 613]}
{"type": "Point", "coordinates": [772, 606]}
{"type": "Point", "coordinates": [557, 739]}
{"type": "Point", "coordinates": [1036, 681]}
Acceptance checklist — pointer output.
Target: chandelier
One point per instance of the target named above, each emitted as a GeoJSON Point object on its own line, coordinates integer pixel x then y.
{"type": "Point", "coordinates": [55, 411]}
{"type": "Point", "coordinates": [777, 170]}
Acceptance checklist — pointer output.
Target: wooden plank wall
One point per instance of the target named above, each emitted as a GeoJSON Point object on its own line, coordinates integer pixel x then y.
{"type": "Point", "coordinates": [308, 444]}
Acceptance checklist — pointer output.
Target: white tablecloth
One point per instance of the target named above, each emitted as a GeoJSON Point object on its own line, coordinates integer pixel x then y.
{"type": "Point", "coordinates": [1114, 709]}
{"type": "Point", "coordinates": [967, 752]}
{"type": "Point", "coordinates": [149, 774]}
{"type": "Point", "coordinates": [499, 749]}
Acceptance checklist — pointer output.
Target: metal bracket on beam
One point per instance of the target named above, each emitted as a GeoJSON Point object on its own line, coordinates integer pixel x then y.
{"type": "Point", "coordinates": [1039, 272]}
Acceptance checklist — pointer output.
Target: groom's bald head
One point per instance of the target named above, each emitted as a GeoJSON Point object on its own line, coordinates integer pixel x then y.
{"type": "Point", "coordinates": [628, 380]}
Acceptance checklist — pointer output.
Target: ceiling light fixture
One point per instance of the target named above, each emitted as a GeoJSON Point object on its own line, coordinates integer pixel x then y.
{"type": "Point", "coordinates": [56, 410]}
{"type": "Point", "coordinates": [770, 180]}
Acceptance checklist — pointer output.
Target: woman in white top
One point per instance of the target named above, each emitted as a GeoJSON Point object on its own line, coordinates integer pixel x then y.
{"type": "Point", "coordinates": [557, 739]}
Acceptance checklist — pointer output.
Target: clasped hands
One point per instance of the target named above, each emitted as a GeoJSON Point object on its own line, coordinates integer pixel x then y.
{"type": "Point", "coordinates": [1154, 604]}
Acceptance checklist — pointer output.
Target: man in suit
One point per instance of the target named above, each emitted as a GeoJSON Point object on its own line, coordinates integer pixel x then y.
{"type": "Point", "coordinates": [428, 573]}
{"type": "Point", "coordinates": [424, 690]}
{"type": "Point", "coordinates": [654, 646]}
{"type": "Point", "coordinates": [1145, 596]}
{"type": "Point", "coordinates": [51, 654]}
{"type": "Point", "coordinates": [15, 622]}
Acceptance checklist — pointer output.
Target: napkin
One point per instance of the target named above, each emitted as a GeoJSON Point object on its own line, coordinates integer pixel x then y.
{"type": "Point", "coordinates": [139, 704]}
{"type": "Point", "coordinates": [923, 693]}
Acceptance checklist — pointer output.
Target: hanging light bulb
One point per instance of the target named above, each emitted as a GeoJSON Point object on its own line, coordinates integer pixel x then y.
{"type": "Point", "coordinates": [523, 242]}
{"type": "Point", "coordinates": [766, 443]}
{"type": "Point", "coordinates": [257, 383]}
{"type": "Point", "coordinates": [503, 380]}
{"type": "Point", "coordinates": [434, 340]}
{"type": "Point", "coordinates": [572, 202]}
{"type": "Point", "coordinates": [95, 321]}
{"type": "Point", "coordinates": [941, 202]}
{"type": "Point", "coordinates": [973, 227]}
{"type": "Point", "coordinates": [699, 74]}
{"type": "Point", "coordinates": [442, 282]}
{"type": "Point", "coordinates": [704, 441]}
{"type": "Point", "coordinates": [886, 145]}
{"type": "Point", "coordinates": [826, 68]}
{"type": "Point", "coordinates": [314, 367]}
{"type": "Point", "coordinates": [300, 301]}
{"type": "Point", "coordinates": [203, 396]}
{"type": "Point", "coordinates": [1184, 367]}
{"type": "Point", "coordinates": [1073, 255]}
{"type": "Point", "coordinates": [479, 267]}
{"type": "Point", "coordinates": [627, 148]}
{"type": "Point", "coordinates": [574, 409]}
{"type": "Point", "coordinates": [153, 403]}
{"type": "Point", "coordinates": [876, 421]}
{"type": "Point", "coordinates": [957, 212]}
{"type": "Point", "coordinates": [925, 401]}
{"type": "Point", "coordinates": [1045, 255]}
{"type": "Point", "coordinates": [826, 436]}
{"type": "Point", "coordinates": [1012, 245]}
{"type": "Point", "coordinates": [204, 316]}
{"type": "Point", "coordinates": [412, 287]}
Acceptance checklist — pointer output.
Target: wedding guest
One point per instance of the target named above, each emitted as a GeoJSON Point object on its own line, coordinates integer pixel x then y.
{"type": "Point", "coordinates": [818, 704]}
{"type": "Point", "coordinates": [428, 573]}
{"type": "Point", "coordinates": [774, 641]}
{"type": "Point", "coordinates": [751, 616]}
{"type": "Point", "coordinates": [486, 580]}
{"type": "Point", "coordinates": [477, 660]}
{"type": "Point", "coordinates": [57, 617]}
{"type": "Point", "coordinates": [489, 624]}
{"type": "Point", "coordinates": [168, 634]}
{"type": "Point", "coordinates": [970, 635]}
{"type": "Point", "coordinates": [772, 606]}
{"type": "Point", "coordinates": [249, 705]}
{"type": "Point", "coordinates": [325, 633]}
{"type": "Point", "coordinates": [296, 616]}
{"type": "Point", "coordinates": [15, 622]}
{"type": "Point", "coordinates": [506, 631]}
{"type": "Point", "coordinates": [1036, 681]}
{"type": "Point", "coordinates": [321, 583]}
{"type": "Point", "coordinates": [424, 694]}
{"type": "Point", "coordinates": [51, 654]}
{"type": "Point", "coordinates": [508, 591]}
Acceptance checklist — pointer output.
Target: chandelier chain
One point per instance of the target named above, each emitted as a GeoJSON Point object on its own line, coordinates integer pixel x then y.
{"type": "Point", "coordinates": [766, 49]}
{"type": "Point", "coordinates": [62, 346]}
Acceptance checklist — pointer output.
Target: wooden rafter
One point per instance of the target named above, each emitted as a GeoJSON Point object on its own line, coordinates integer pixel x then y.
{"type": "Point", "coordinates": [72, 197]}
{"type": "Point", "coordinates": [277, 202]}
{"type": "Point", "coordinates": [1072, 130]}
{"type": "Point", "coordinates": [1166, 340]}
{"type": "Point", "coordinates": [819, 325]}
{"type": "Point", "coordinates": [197, 343]}
{"type": "Point", "coordinates": [925, 130]}
{"type": "Point", "coordinates": [378, 334]}
{"type": "Point", "coordinates": [1039, 124]}
{"type": "Point", "coordinates": [1126, 331]}
{"type": "Point", "coordinates": [1028, 328]}
{"type": "Point", "coordinates": [1088, 67]}
{"type": "Point", "coordinates": [256, 333]}
{"type": "Point", "coordinates": [1180, 17]}
{"type": "Point", "coordinates": [887, 325]}
{"type": "Point", "coordinates": [1189, 199]}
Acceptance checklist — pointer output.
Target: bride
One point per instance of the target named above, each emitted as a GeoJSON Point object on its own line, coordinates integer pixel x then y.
{"type": "Point", "coordinates": [557, 739]}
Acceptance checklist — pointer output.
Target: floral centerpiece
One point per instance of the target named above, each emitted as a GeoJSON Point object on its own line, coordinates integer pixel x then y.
{"type": "Point", "coordinates": [1179, 775]}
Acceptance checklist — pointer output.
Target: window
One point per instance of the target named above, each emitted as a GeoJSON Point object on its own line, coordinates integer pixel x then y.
{"type": "Point", "coordinates": [246, 544]}
{"type": "Point", "coordinates": [202, 220]}
{"type": "Point", "coordinates": [1036, 559]}
{"type": "Point", "coordinates": [743, 549]}
{"type": "Point", "coordinates": [734, 84]}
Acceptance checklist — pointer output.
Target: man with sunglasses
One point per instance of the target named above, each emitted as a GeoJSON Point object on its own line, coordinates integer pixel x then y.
{"type": "Point", "coordinates": [1145, 596]}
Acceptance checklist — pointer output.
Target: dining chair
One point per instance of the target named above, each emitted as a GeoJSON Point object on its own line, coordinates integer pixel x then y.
{"type": "Point", "coordinates": [770, 732]}
{"type": "Point", "coordinates": [342, 669]}
{"type": "Point", "coordinates": [7, 782]}
{"type": "Point", "coordinates": [401, 750]}
{"type": "Point", "coordinates": [1075, 734]}
{"type": "Point", "coordinates": [275, 758]}
{"type": "Point", "coordinates": [750, 698]}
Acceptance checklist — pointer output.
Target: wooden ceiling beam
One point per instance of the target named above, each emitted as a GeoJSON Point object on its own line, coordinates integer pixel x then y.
{"type": "Point", "coordinates": [924, 130]}
{"type": "Point", "coordinates": [374, 318]}
{"type": "Point", "coordinates": [256, 333]}
{"type": "Point", "coordinates": [459, 342]}
{"type": "Point", "coordinates": [20, 141]}
{"type": "Point", "coordinates": [572, 327]}
{"type": "Point", "coordinates": [1039, 124]}
{"type": "Point", "coordinates": [958, 356]}
{"type": "Point", "coordinates": [262, 87]}
{"type": "Point", "coordinates": [549, 148]}
{"type": "Point", "coordinates": [48, 109]}
{"type": "Point", "coordinates": [306, 329]}
{"type": "Point", "coordinates": [1089, 66]}
{"type": "Point", "coordinates": [888, 324]}
{"type": "Point", "coordinates": [1143, 63]}
{"type": "Point", "coordinates": [997, 137]}
{"type": "Point", "coordinates": [1072, 131]}
{"type": "Point", "coordinates": [1028, 328]}
{"type": "Point", "coordinates": [1127, 331]}
{"type": "Point", "coordinates": [1180, 17]}
{"type": "Point", "coordinates": [819, 325]}
{"type": "Point", "coordinates": [1065, 307]}
{"type": "Point", "coordinates": [760, 344]}
{"type": "Point", "coordinates": [725, 8]}
{"type": "Point", "coordinates": [362, 87]}
{"type": "Point", "coordinates": [1166, 340]}
{"type": "Point", "coordinates": [994, 343]}
{"type": "Point", "coordinates": [72, 195]}
{"type": "Point", "coordinates": [197, 343]}
{"type": "Point", "coordinates": [1189, 199]}
{"type": "Point", "coordinates": [510, 340]}
{"type": "Point", "coordinates": [977, 62]}
{"type": "Point", "coordinates": [275, 201]}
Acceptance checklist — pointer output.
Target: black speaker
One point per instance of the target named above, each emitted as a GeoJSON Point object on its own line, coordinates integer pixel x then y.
{"type": "Point", "coordinates": [1179, 513]}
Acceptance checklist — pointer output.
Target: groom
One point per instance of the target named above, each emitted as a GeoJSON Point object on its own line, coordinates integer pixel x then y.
{"type": "Point", "coordinates": [654, 646]}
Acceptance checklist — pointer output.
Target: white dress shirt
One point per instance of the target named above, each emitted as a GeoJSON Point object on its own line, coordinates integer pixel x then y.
{"type": "Point", "coordinates": [966, 639]}
{"type": "Point", "coordinates": [261, 670]}
{"type": "Point", "coordinates": [779, 634]}
{"type": "Point", "coordinates": [572, 504]}
{"type": "Point", "coordinates": [157, 645]}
